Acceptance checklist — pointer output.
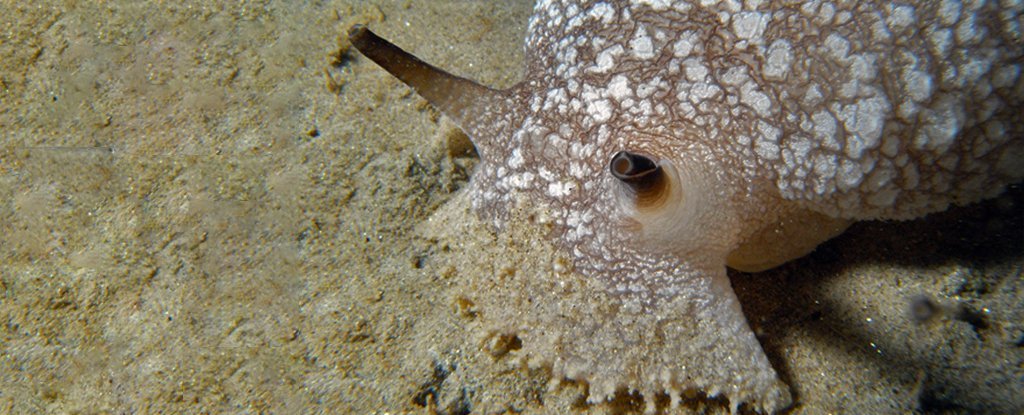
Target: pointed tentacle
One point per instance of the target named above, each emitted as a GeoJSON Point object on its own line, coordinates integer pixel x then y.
{"type": "Point", "coordinates": [461, 99]}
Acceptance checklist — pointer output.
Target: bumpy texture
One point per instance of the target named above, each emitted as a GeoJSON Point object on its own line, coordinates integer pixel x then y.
{"type": "Point", "coordinates": [860, 109]}
{"type": "Point", "coordinates": [773, 124]}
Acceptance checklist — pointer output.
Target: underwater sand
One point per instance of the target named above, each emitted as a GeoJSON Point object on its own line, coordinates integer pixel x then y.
{"type": "Point", "coordinates": [215, 209]}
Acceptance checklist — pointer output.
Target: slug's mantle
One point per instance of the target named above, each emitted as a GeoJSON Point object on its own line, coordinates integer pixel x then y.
{"type": "Point", "coordinates": [654, 143]}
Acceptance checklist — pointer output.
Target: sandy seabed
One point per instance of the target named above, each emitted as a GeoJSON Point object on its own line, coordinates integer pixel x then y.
{"type": "Point", "coordinates": [215, 209]}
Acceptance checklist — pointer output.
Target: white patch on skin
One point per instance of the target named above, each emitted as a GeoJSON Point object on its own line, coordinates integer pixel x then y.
{"type": "Point", "coordinates": [862, 67]}
{"type": "Point", "coordinates": [516, 161]}
{"type": "Point", "coordinates": [600, 110]}
{"type": "Point", "coordinates": [603, 12]}
{"type": "Point", "coordinates": [949, 11]}
{"type": "Point", "coordinates": [780, 58]}
{"type": "Point", "coordinates": [736, 75]}
{"type": "Point", "coordinates": [843, 17]}
{"type": "Point", "coordinates": [767, 143]}
{"type": "Point", "coordinates": [849, 175]}
{"type": "Point", "coordinates": [813, 96]}
{"type": "Point", "coordinates": [559, 189]}
{"type": "Point", "coordinates": [750, 25]}
{"type": "Point", "coordinates": [695, 69]}
{"type": "Point", "coordinates": [606, 59]}
{"type": "Point", "coordinates": [618, 88]}
{"type": "Point", "coordinates": [974, 69]}
{"type": "Point", "coordinates": [826, 13]}
{"type": "Point", "coordinates": [752, 96]}
{"type": "Point", "coordinates": [941, 39]}
{"type": "Point", "coordinates": [645, 90]}
{"type": "Point", "coordinates": [685, 45]}
{"type": "Point", "coordinates": [703, 91]}
{"type": "Point", "coordinates": [901, 17]}
{"type": "Point", "coordinates": [942, 124]}
{"type": "Point", "coordinates": [825, 129]}
{"type": "Point", "coordinates": [919, 84]}
{"type": "Point", "coordinates": [864, 121]}
{"type": "Point", "coordinates": [555, 98]}
{"type": "Point", "coordinates": [642, 46]}
{"type": "Point", "coordinates": [838, 46]}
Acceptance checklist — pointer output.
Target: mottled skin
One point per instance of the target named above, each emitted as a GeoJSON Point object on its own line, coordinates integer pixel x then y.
{"type": "Point", "coordinates": [777, 124]}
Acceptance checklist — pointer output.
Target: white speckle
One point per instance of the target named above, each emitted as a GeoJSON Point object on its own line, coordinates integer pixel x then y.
{"type": "Point", "coordinates": [825, 129]}
{"type": "Point", "coordinates": [576, 170]}
{"type": "Point", "coordinates": [949, 11]}
{"type": "Point", "coordinates": [826, 12]}
{"type": "Point", "coordinates": [736, 75]}
{"type": "Point", "coordinates": [901, 17]}
{"type": "Point", "coordinates": [838, 46]}
{"type": "Point", "coordinates": [750, 25]}
{"type": "Point", "coordinates": [641, 45]}
{"type": "Point", "coordinates": [767, 143]}
{"type": "Point", "coordinates": [919, 84]}
{"type": "Point", "coordinates": [618, 88]}
{"type": "Point", "coordinates": [766, 149]}
{"type": "Point", "coordinates": [769, 131]}
{"type": "Point", "coordinates": [825, 166]}
{"type": "Point", "coordinates": [941, 40]}
{"type": "Point", "coordinates": [801, 146]}
{"type": "Point", "coordinates": [602, 11]}
{"type": "Point", "coordinates": [559, 189]}
{"type": "Point", "coordinates": [864, 121]}
{"type": "Point", "coordinates": [813, 96]}
{"type": "Point", "coordinates": [880, 177]}
{"type": "Point", "coordinates": [863, 67]}
{"type": "Point", "coordinates": [521, 181]}
{"type": "Point", "coordinates": [685, 44]}
{"type": "Point", "coordinates": [753, 97]}
{"type": "Point", "coordinates": [516, 160]}
{"type": "Point", "coordinates": [695, 69]}
{"type": "Point", "coordinates": [645, 90]}
{"type": "Point", "coordinates": [703, 91]}
{"type": "Point", "coordinates": [975, 69]}
{"type": "Point", "coordinates": [606, 59]}
{"type": "Point", "coordinates": [555, 97]}
{"type": "Point", "coordinates": [942, 124]}
{"type": "Point", "coordinates": [843, 17]}
{"type": "Point", "coordinates": [780, 57]}
{"type": "Point", "coordinates": [600, 110]}
{"type": "Point", "coordinates": [849, 175]}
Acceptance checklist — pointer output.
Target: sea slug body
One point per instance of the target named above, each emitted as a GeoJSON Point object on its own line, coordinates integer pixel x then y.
{"type": "Point", "coordinates": [666, 140]}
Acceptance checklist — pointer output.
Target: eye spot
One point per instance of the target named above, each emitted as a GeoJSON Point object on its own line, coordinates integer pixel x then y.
{"type": "Point", "coordinates": [628, 166]}
{"type": "Point", "coordinates": [642, 176]}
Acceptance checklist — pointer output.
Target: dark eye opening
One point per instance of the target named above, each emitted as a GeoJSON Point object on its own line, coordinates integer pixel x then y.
{"type": "Point", "coordinates": [628, 166]}
{"type": "Point", "coordinates": [642, 175]}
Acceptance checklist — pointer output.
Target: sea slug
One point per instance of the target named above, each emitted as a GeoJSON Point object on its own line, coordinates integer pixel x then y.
{"type": "Point", "coordinates": [661, 141]}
